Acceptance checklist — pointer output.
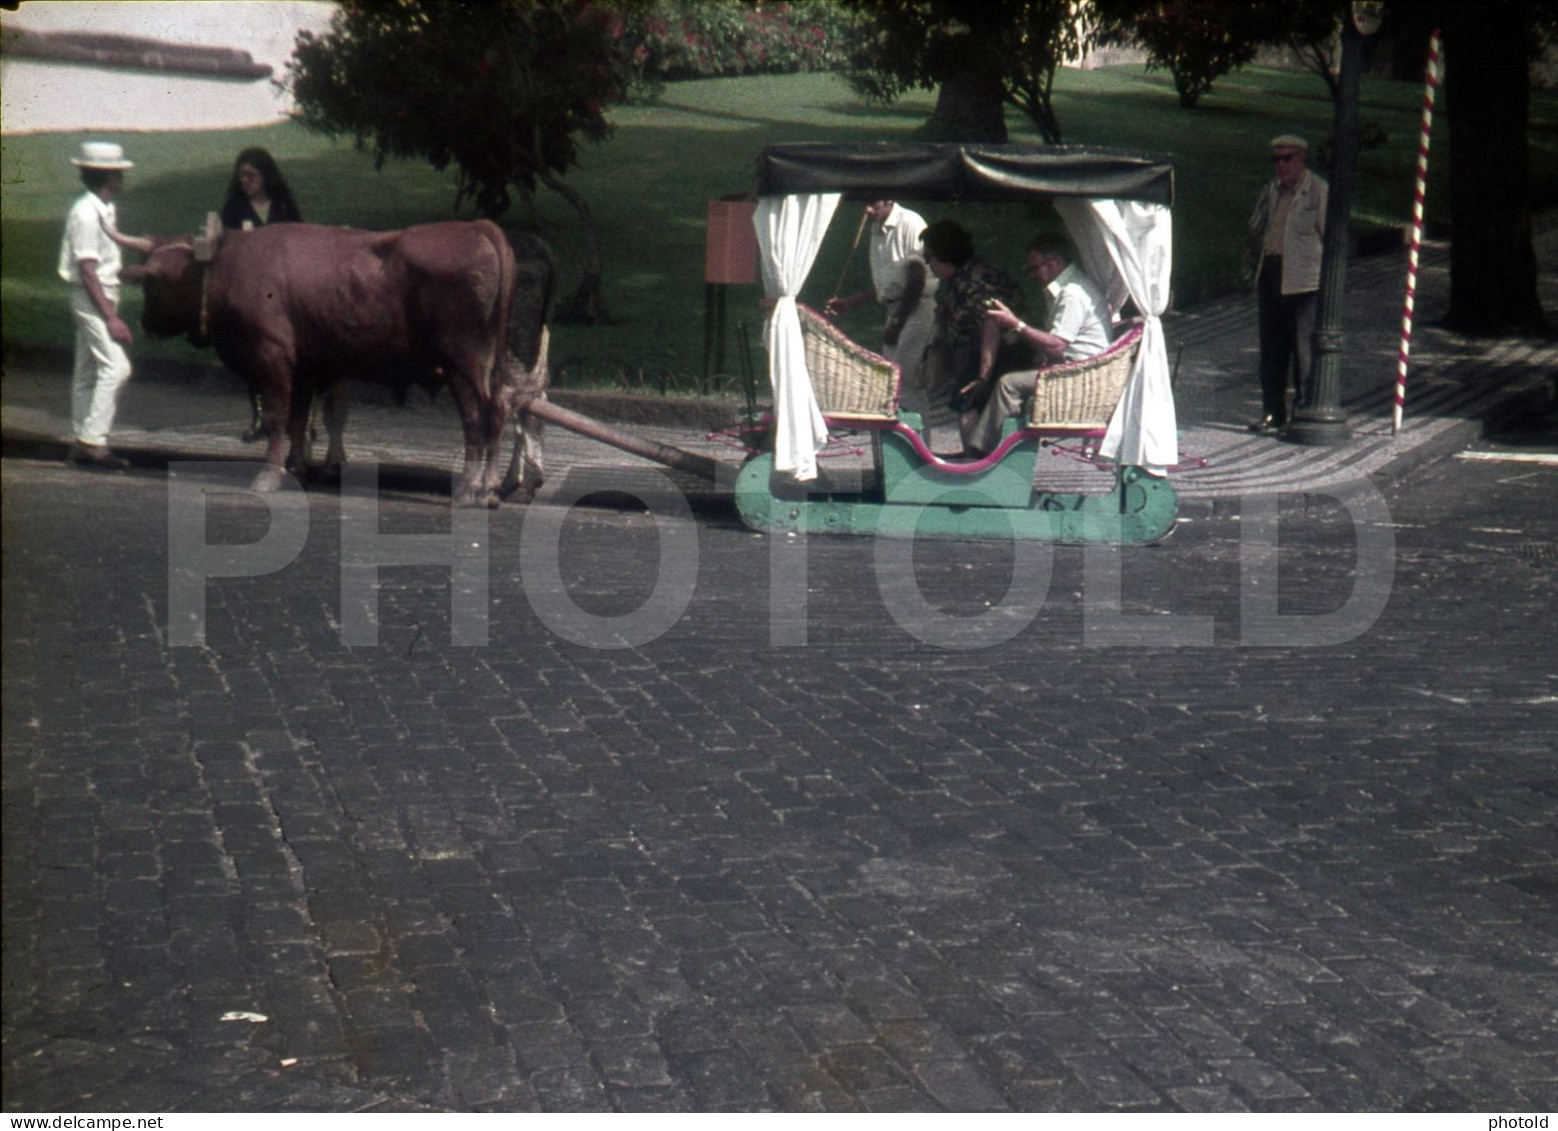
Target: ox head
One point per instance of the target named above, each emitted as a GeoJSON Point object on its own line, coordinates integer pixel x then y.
{"type": "Point", "coordinates": [172, 279]}
{"type": "Point", "coordinates": [173, 276]}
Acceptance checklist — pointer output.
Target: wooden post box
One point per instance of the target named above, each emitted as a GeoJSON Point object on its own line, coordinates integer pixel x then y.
{"type": "Point", "coordinates": [730, 254]}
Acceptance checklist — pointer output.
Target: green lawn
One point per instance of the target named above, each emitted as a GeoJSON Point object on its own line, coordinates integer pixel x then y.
{"type": "Point", "coordinates": [649, 187]}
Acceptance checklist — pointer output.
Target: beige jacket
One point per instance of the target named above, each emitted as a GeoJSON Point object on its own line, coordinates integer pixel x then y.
{"type": "Point", "coordinates": [1304, 239]}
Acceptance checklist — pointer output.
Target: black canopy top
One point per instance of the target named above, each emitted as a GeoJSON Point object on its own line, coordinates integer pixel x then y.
{"type": "Point", "coordinates": [927, 171]}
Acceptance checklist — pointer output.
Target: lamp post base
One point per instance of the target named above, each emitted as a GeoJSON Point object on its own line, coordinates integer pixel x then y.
{"type": "Point", "coordinates": [1321, 428]}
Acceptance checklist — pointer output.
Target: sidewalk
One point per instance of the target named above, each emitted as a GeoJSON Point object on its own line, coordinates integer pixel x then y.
{"type": "Point", "coordinates": [1455, 385]}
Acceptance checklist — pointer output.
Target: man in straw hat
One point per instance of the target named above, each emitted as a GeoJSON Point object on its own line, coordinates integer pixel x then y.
{"type": "Point", "coordinates": [1284, 244]}
{"type": "Point", "coordinates": [90, 261]}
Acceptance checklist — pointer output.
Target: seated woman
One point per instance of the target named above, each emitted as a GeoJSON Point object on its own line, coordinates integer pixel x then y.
{"type": "Point", "coordinates": [969, 283]}
{"type": "Point", "coordinates": [1078, 326]}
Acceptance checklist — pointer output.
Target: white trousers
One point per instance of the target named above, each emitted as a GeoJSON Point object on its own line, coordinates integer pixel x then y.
{"type": "Point", "coordinates": [909, 353]}
{"type": "Point", "coordinates": [102, 368]}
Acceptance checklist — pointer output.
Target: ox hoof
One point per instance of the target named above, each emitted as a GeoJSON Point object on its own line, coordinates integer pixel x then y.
{"type": "Point", "coordinates": [267, 482]}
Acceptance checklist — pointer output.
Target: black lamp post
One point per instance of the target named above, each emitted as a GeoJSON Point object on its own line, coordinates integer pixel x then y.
{"type": "Point", "coordinates": [1321, 418]}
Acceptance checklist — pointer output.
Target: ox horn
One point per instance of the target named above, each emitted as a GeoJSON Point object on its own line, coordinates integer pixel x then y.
{"type": "Point", "coordinates": [206, 242]}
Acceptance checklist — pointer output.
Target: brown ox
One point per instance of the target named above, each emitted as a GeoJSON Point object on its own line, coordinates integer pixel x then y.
{"type": "Point", "coordinates": [299, 307]}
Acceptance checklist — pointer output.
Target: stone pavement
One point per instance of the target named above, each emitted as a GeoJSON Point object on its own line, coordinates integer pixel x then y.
{"type": "Point", "coordinates": [719, 871]}
{"type": "Point", "coordinates": [1454, 385]}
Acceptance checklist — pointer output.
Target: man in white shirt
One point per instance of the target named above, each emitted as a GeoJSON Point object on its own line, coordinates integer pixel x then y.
{"type": "Point", "coordinates": [900, 282]}
{"type": "Point", "coordinates": [1079, 325]}
{"type": "Point", "coordinates": [90, 261]}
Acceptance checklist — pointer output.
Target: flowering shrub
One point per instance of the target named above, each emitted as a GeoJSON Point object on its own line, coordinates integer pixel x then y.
{"type": "Point", "coordinates": [682, 39]}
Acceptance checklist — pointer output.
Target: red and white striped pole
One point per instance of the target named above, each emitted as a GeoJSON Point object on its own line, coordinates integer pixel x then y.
{"type": "Point", "coordinates": [1432, 84]}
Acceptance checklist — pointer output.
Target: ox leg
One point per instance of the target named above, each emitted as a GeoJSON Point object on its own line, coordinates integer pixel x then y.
{"type": "Point", "coordinates": [274, 412]}
{"type": "Point", "coordinates": [471, 490]}
{"type": "Point", "coordinates": [299, 435]}
{"type": "Point", "coordinates": [256, 429]}
{"type": "Point", "coordinates": [527, 468]}
{"type": "Point", "coordinates": [497, 415]}
{"type": "Point", "coordinates": [335, 407]}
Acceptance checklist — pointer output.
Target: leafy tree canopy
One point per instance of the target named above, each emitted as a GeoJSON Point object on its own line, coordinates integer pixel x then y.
{"type": "Point", "coordinates": [1009, 47]}
{"type": "Point", "coordinates": [506, 91]}
{"type": "Point", "coordinates": [1200, 41]}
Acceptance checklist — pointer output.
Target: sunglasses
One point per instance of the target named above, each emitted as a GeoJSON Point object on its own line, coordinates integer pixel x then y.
{"type": "Point", "coordinates": [1282, 158]}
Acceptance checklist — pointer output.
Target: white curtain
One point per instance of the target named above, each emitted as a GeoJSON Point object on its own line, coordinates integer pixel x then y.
{"type": "Point", "coordinates": [789, 232]}
{"type": "Point", "coordinates": [1093, 249]}
{"type": "Point", "coordinates": [1143, 431]}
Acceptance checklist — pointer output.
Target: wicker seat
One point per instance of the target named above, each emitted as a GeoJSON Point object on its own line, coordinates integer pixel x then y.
{"type": "Point", "coordinates": [850, 381]}
{"type": "Point", "coordinates": [1082, 394]}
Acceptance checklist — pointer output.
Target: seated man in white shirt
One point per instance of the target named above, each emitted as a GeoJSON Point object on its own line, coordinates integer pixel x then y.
{"type": "Point", "coordinates": [1078, 326]}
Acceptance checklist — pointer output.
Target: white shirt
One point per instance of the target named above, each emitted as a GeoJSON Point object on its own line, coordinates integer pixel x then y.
{"type": "Point", "coordinates": [1078, 313]}
{"type": "Point", "coordinates": [86, 238]}
{"type": "Point", "coordinates": [895, 242]}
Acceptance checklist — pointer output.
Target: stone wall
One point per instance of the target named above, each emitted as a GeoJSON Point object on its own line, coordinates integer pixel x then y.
{"type": "Point", "coordinates": [154, 65]}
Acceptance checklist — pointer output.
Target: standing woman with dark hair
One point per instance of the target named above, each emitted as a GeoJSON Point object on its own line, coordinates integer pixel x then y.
{"type": "Point", "coordinates": [256, 196]}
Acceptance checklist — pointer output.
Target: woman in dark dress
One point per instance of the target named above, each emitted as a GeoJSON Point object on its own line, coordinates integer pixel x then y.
{"type": "Point", "coordinates": [969, 283]}
{"type": "Point", "coordinates": [256, 196]}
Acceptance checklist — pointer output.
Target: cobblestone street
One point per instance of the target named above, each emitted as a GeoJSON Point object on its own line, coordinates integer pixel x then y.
{"type": "Point", "coordinates": [785, 854]}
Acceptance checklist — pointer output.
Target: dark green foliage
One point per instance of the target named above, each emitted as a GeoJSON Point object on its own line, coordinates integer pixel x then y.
{"type": "Point", "coordinates": [505, 91]}
{"type": "Point", "coordinates": [1010, 47]}
{"type": "Point", "coordinates": [1197, 41]}
{"type": "Point", "coordinates": [684, 39]}
{"type": "Point", "coordinates": [1200, 41]}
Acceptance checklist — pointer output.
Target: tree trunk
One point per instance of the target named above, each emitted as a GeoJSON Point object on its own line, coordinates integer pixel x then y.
{"type": "Point", "coordinates": [1488, 93]}
{"type": "Point", "coordinates": [969, 107]}
{"type": "Point", "coordinates": [587, 304]}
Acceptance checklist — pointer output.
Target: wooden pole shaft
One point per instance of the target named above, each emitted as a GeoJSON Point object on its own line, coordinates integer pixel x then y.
{"type": "Point", "coordinates": [691, 462]}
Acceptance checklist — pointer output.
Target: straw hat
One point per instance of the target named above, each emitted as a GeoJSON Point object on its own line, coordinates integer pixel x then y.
{"type": "Point", "coordinates": [1290, 142]}
{"type": "Point", "coordinates": [101, 155]}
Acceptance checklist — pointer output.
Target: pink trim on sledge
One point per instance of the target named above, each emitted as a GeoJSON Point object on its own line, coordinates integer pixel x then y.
{"type": "Point", "coordinates": [966, 467]}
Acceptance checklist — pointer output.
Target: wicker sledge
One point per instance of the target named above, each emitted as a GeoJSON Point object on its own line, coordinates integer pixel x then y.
{"type": "Point", "coordinates": [850, 382]}
{"type": "Point", "coordinates": [1082, 394]}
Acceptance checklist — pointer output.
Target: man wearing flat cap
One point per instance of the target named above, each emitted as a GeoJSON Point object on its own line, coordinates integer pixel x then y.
{"type": "Point", "coordinates": [1284, 245]}
{"type": "Point", "coordinates": [90, 262]}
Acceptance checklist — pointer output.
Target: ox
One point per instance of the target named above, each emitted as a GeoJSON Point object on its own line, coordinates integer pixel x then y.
{"type": "Point", "coordinates": [298, 307]}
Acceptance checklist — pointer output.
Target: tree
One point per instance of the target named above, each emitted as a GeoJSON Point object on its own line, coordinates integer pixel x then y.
{"type": "Point", "coordinates": [1200, 41]}
{"type": "Point", "coordinates": [505, 91]}
{"type": "Point", "coordinates": [1309, 29]}
{"type": "Point", "coordinates": [1487, 54]}
{"type": "Point", "coordinates": [1197, 41]}
{"type": "Point", "coordinates": [983, 56]}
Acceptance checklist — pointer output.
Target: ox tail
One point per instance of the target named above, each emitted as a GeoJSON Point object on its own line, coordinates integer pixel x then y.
{"type": "Point", "coordinates": [535, 295]}
{"type": "Point", "coordinates": [498, 379]}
